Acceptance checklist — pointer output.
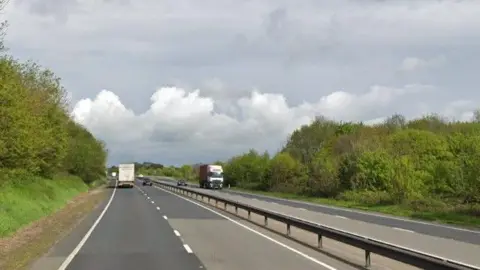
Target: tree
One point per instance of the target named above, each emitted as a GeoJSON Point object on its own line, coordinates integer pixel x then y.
{"type": "Point", "coordinates": [3, 25]}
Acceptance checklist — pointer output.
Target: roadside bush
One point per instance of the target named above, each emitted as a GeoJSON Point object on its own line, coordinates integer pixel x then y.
{"type": "Point", "coordinates": [426, 164]}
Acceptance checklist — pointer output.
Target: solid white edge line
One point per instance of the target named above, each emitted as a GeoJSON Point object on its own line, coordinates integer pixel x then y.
{"type": "Point", "coordinates": [403, 230]}
{"type": "Point", "coordinates": [176, 232]}
{"type": "Point", "coordinates": [357, 211]}
{"type": "Point", "coordinates": [187, 248]}
{"type": "Point", "coordinates": [75, 251]}
{"type": "Point", "coordinates": [386, 242]}
{"type": "Point", "coordinates": [255, 231]}
{"type": "Point", "coordinates": [342, 217]}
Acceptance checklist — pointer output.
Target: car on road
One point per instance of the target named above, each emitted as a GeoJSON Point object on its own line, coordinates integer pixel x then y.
{"type": "Point", "coordinates": [181, 182]}
{"type": "Point", "coordinates": [147, 182]}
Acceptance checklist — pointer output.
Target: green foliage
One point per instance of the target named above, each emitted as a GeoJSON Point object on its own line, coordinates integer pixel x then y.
{"type": "Point", "coordinates": [427, 164]}
{"type": "Point", "coordinates": [36, 132]}
{"type": "Point", "coordinates": [26, 197]}
{"type": "Point", "coordinates": [45, 158]}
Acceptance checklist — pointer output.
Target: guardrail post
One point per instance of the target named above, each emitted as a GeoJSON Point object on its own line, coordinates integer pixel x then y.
{"type": "Point", "coordinates": [208, 199]}
{"type": "Point", "coordinates": [288, 229]}
{"type": "Point", "coordinates": [319, 241]}
{"type": "Point", "coordinates": [368, 260]}
{"type": "Point", "coordinates": [236, 209]}
{"type": "Point", "coordinates": [216, 203]}
{"type": "Point", "coordinates": [225, 205]}
{"type": "Point", "coordinates": [266, 221]}
{"type": "Point", "coordinates": [249, 214]}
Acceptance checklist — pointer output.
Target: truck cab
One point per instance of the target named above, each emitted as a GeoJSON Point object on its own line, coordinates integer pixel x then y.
{"type": "Point", "coordinates": [211, 176]}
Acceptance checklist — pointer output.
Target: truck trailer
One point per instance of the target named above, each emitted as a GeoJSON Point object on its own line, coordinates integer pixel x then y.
{"type": "Point", "coordinates": [210, 176]}
{"type": "Point", "coordinates": [126, 175]}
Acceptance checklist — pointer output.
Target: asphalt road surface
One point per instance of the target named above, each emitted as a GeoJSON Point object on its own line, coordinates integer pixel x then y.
{"type": "Point", "coordinates": [150, 228]}
{"type": "Point", "coordinates": [463, 251]}
{"type": "Point", "coordinates": [132, 234]}
{"type": "Point", "coordinates": [438, 230]}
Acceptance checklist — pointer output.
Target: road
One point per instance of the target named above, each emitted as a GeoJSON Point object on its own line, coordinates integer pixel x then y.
{"type": "Point", "coordinates": [426, 228]}
{"type": "Point", "coordinates": [150, 228]}
{"type": "Point", "coordinates": [463, 251]}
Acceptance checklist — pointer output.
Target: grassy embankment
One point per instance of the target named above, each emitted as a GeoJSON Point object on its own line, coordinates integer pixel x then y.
{"type": "Point", "coordinates": [30, 198]}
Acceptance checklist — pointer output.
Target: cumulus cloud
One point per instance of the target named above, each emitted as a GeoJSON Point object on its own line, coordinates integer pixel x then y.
{"type": "Point", "coordinates": [184, 126]}
{"type": "Point", "coordinates": [263, 67]}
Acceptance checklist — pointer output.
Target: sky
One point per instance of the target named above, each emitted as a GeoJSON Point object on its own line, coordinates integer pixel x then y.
{"type": "Point", "coordinates": [184, 81]}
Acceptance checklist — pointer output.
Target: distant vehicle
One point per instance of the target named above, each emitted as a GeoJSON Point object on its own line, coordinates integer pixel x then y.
{"type": "Point", "coordinates": [126, 175]}
{"type": "Point", "coordinates": [147, 182]}
{"type": "Point", "coordinates": [210, 176]}
{"type": "Point", "coordinates": [181, 182]}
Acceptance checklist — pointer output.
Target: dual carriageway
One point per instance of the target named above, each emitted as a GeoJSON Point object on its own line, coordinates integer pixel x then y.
{"type": "Point", "coordinates": [157, 228]}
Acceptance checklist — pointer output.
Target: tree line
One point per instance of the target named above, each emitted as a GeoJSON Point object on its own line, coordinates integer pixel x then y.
{"type": "Point", "coordinates": [428, 163]}
{"type": "Point", "coordinates": [37, 133]}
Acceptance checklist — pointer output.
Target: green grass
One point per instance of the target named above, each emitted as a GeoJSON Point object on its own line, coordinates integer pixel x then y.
{"type": "Point", "coordinates": [25, 198]}
{"type": "Point", "coordinates": [449, 215]}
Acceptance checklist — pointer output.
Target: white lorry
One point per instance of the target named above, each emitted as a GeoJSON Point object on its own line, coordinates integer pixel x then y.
{"type": "Point", "coordinates": [210, 176]}
{"type": "Point", "coordinates": [126, 175]}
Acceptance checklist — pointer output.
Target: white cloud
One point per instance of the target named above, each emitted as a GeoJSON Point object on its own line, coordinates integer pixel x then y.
{"type": "Point", "coordinates": [346, 59]}
{"type": "Point", "coordinates": [184, 126]}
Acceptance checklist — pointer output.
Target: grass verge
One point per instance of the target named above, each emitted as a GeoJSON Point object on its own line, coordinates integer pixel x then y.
{"type": "Point", "coordinates": [36, 212]}
{"type": "Point", "coordinates": [449, 215]}
{"type": "Point", "coordinates": [29, 198]}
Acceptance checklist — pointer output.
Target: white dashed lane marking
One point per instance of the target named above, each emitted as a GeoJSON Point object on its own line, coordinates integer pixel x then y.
{"type": "Point", "coordinates": [403, 230]}
{"type": "Point", "coordinates": [187, 248]}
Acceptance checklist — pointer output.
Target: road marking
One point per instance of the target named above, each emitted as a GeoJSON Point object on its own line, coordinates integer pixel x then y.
{"type": "Point", "coordinates": [342, 217]}
{"type": "Point", "coordinates": [357, 211]}
{"type": "Point", "coordinates": [176, 233]}
{"type": "Point", "coordinates": [187, 248]}
{"type": "Point", "coordinates": [403, 230]}
{"type": "Point", "coordinates": [158, 208]}
{"type": "Point", "coordinates": [75, 251]}
{"type": "Point", "coordinates": [165, 217]}
{"type": "Point", "coordinates": [255, 231]}
{"type": "Point", "coordinates": [302, 209]}
{"type": "Point", "coordinates": [153, 202]}
{"type": "Point", "coordinates": [148, 198]}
